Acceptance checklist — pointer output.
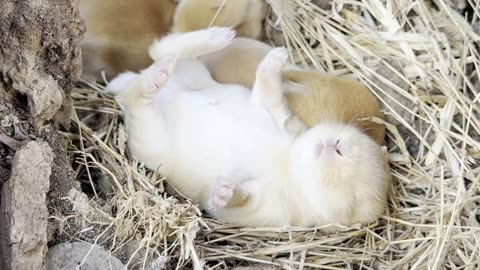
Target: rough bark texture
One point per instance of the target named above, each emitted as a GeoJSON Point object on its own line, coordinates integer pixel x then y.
{"type": "Point", "coordinates": [40, 60]}
{"type": "Point", "coordinates": [24, 214]}
{"type": "Point", "coordinates": [40, 52]}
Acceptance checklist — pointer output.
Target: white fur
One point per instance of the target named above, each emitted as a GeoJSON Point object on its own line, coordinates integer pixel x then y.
{"type": "Point", "coordinates": [195, 130]}
{"type": "Point", "coordinates": [179, 45]}
{"type": "Point", "coordinates": [116, 85]}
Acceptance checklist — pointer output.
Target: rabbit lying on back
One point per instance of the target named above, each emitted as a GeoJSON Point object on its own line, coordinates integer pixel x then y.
{"type": "Point", "coordinates": [227, 148]}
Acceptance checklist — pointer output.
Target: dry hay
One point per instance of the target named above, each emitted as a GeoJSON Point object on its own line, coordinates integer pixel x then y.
{"type": "Point", "coordinates": [421, 59]}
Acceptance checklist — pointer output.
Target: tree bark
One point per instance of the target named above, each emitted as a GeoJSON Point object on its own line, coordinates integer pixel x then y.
{"type": "Point", "coordinates": [40, 52]}
{"type": "Point", "coordinates": [40, 60]}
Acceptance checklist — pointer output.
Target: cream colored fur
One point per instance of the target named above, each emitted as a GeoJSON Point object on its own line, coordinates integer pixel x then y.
{"type": "Point", "coordinates": [245, 16]}
{"type": "Point", "coordinates": [323, 97]}
{"type": "Point", "coordinates": [119, 33]}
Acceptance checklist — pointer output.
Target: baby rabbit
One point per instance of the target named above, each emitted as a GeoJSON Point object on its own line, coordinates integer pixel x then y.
{"type": "Point", "coordinates": [119, 33]}
{"type": "Point", "coordinates": [227, 148]}
{"type": "Point", "coordinates": [312, 96]}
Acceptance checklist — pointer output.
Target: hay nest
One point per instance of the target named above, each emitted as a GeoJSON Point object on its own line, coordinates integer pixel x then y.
{"type": "Point", "coordinates": [420, 58]}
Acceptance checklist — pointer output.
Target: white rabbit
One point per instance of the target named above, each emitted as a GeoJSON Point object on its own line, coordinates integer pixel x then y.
{"type": "Point", "coordinates": [229, 150]}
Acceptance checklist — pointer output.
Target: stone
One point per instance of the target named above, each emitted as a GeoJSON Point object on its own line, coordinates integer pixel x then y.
{"type": "Point", "coordinates": [23, 210]}
{"type": "Point", "coordinates": [67, 256]}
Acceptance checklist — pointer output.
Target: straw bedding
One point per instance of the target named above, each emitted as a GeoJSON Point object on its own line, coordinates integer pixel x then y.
{"type": "Point", "coordinates": [420, 58]}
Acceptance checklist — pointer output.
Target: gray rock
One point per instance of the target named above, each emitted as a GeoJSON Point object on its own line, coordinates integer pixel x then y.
{"type": "Point", "coordinates": [69, 256]}
{"type": "Point", "coordinates": [130, 249]}
{"type": "Point", "coordinates": [23, 210]}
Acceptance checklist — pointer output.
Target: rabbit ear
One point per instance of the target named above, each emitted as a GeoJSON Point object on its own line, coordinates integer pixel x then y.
{"type": "Point", "coordinates": [119, 83]}
{"type": "Point", "coordinates": [157, 74]}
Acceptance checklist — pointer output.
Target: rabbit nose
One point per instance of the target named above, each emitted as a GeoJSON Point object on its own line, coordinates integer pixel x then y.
{"type": "Point", "coordinates": [329, 145]}
{"type": "Point", "coordinates": [330, 142]}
